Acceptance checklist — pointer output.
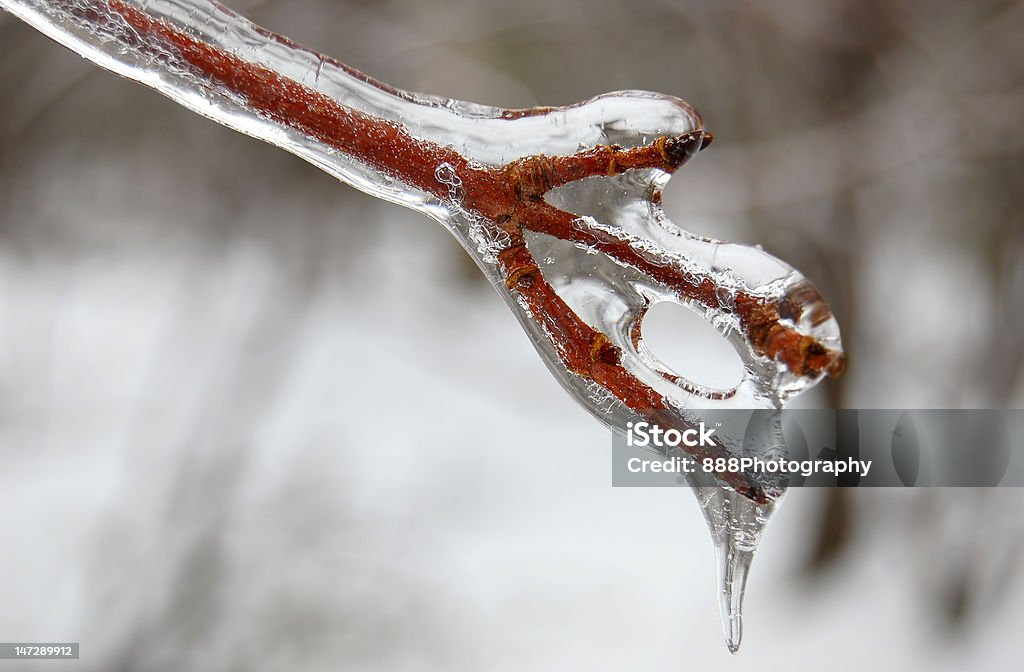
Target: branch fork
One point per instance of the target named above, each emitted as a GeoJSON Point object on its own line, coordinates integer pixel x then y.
{"type": "Point", "coordinates": [791, 331]}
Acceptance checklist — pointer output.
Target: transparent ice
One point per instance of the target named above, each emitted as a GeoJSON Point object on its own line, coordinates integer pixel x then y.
{"type": "Point", "coordinates": [609, 296]}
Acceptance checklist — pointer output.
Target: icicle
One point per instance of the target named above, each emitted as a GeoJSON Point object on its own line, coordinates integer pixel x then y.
{"type": "Point", "coordinates": [736, 524]}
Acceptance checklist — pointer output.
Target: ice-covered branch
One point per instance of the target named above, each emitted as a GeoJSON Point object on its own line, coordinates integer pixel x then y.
{"type": "Point", "coordinates": [577, 188]}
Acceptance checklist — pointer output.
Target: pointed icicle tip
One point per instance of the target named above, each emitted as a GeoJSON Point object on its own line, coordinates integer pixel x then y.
{"type": "Point", "coordinates": [733, 582]}
{"type": "Point", "coordinates": [734, 638]}
{"type": "Point", "coordinates": [732, 628]}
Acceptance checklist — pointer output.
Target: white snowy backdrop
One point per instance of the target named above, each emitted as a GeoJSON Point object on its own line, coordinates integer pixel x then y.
{"type": "Point", "coordinates": [252, 419]}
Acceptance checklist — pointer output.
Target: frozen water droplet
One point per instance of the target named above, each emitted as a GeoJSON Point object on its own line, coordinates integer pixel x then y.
{"type": "Point", "coordinates": [726, 297]}
{"type": "Point", "coordinates": [489, 241]}
{"type": "Point", "coordinates": [446, 175]}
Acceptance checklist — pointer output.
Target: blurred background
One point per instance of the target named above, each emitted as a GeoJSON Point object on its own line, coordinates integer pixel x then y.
{"type": "Point", "coordinates": [253, 419]}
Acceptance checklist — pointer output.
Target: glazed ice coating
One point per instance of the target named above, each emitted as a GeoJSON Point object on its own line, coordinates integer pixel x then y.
{"type": "Point", "coordinates": [559, 207]}
{"type": "Point", "coordinates": [578, 185]}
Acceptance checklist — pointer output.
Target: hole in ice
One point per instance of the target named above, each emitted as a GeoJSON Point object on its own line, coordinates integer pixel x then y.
{"type": "Point", "coordinates": [691, 347]}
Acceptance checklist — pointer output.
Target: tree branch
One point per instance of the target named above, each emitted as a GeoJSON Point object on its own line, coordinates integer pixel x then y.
{"type": "Point", "coordinates": [508, 197]}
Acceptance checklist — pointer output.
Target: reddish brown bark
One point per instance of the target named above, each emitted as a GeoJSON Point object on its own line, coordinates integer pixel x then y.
{"type": "Point", "coordinates": [512, 198]}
